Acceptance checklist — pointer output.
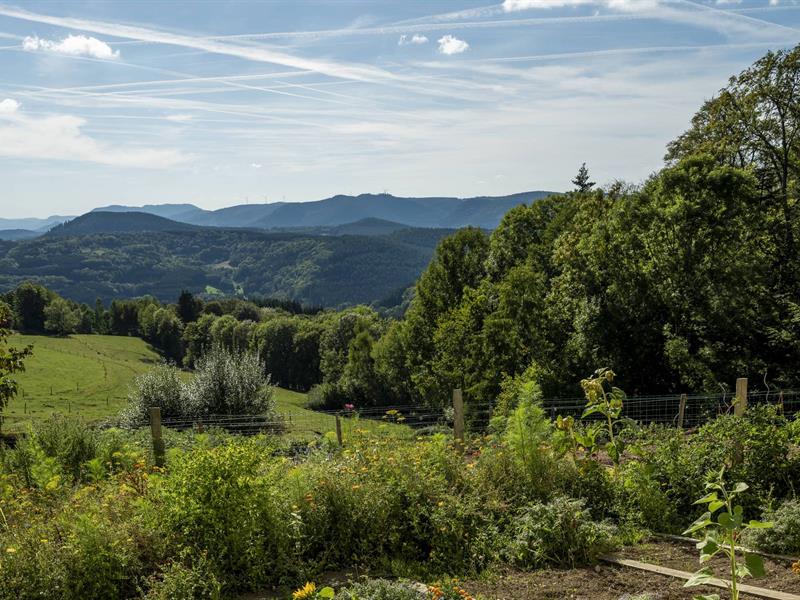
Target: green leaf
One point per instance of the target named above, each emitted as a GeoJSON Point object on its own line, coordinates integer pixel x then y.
{"type": "Point", "coordinates": [706, 597]}
{"type": "Point", "coordinates": [326, 592]}
{"type": "Point", "coordinates": [760, 524]}
{"type": "Point", "coordinates": [755, 563]}
{"type": "Point", "coordinates": [701, 523]}
{"type": "Point", "coordinates": [741, 571]}
{"type": "Point", "coordinates": [702, 577]}
{"type": "Point", "coordinates": [590, 411]}
{"type": "Point", "coordinates": [726, 520]}
{"type": "Point", "coordinates": [740, 487]}
{"type": "Point", "coordinates": [716, 505]}
{"type": "Point", "coordinates": [712, 497]}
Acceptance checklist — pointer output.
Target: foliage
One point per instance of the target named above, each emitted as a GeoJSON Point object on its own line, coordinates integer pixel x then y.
{"type": "Point", "coordinates": [61, 318]}
{"type": "Point", "coordinates": [604, 399]}
{"type": "Point", "coordinates": [560, 532]}
{"type": "Point", "coordinates": [12, 360]}
{"type": "Point", "coordinates": [722, 534]}
{"type": "Point", "coordinates": [784, 535]}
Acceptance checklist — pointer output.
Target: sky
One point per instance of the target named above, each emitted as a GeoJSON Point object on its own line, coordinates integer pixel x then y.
{"type": "Point", "coordinates": [230, 102]}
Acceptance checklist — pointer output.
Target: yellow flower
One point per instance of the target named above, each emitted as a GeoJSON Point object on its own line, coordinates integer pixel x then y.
{"type": "Point", "coordinates": [307, 591]}
{"type": "Point", "coordinates": [11, 550]}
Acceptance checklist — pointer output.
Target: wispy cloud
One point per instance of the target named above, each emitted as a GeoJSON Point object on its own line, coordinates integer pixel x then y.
{"type": "Point", "coordinates": [59, 137]}
{"type": "Point", "coordinates": [417, 38]}
{"type": "Point", "coordinates": [624, 5]}
{"type": "Point", "coordinates": [73, 45]}
{"type": "Point", "coordinates": [251, 53]}
{"type": "Point", "coordinates": [449, 44]}
{"type": "Point", "coordinates": [179, 118]}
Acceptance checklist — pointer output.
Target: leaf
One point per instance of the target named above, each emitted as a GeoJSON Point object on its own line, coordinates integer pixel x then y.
{"type": "Point", "coordinates": [702, 577]}
{"type": "Point", "coordinates": [590, 411]}
{"type": "Point", "coordinates": [755, 563]}
{"type": "Point", "coordinates": [740, 487]}
{"type": "Point", "coordinates": [707, 498]}
{"type": "Point", "coordinates": [326, 592]}
{"type": "Point", "coordinates": [760, 524]}
{"type": "Point", "coordinates": [741, 571]}
{"type": "Point", "coordinates": [726, 520]}
{"type": "Point", "coordinates": [701, 523]}
{"type": "Point", "coordinates": [716, 505]}
{"type": "Point", "coordinates": [706, 597]}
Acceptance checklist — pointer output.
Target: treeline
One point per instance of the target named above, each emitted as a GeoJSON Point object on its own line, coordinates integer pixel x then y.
{"type": "Point", "coordinates": [299, 346]}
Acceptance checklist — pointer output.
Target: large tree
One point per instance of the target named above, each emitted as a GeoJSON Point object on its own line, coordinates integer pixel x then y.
{"type": "Point", "coordinates": [12, 360]}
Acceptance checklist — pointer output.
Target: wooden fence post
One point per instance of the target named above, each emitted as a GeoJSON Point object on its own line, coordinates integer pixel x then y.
{"type": "Point", "coordinates": [155, 431]}
{"type": "Point", "coordinates": [740, 405]}
{"type": "Point", "coordinates": [458, 417]}
{"type": "Point", "coordinates": [681, 411]}
{"type": "Point", "coordinates": [339, 431]}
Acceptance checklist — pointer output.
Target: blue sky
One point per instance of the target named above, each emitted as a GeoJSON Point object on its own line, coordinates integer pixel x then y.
{"type": "Point", "coordinates": [221, 103]}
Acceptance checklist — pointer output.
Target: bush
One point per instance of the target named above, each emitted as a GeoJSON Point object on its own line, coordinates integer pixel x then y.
{"type": "Point", "coordinates": [381, 589]}
{"type": "Point", "coordinates": [160, 386]}
{"type": "Point", "coordinates": [558, 533]}
{"type": "Point", "coordinates": [640, 501]}
{"type": "Point", "coordinates": [69, 440]}
{"type": "Point", "coordinates": [225, 383]}
{"type": "Point", "coordinates": [682, 464]}
{"type": "Point", "coordinates": [784, 536]}
{"type": "Point", "coordinates": [231, 383]}
{"type": "Point", "coordinates": [224, 503]}
{"type": "Point", "coordinates": [181, 581]}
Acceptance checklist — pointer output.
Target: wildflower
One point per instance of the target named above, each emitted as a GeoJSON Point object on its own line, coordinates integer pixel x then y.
{"type": "Point", "coordinates": [307, 591]}
{"type": "Point", "coordinates": [349, 407]}
{"type": "Point", "coordinates": [11, 550]}
{"type": "Point", "coordinates": [796, 568]}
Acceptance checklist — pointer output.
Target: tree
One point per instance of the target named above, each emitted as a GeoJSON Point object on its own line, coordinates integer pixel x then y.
{"type": "Point", "coordinates": [581, 182]}
{"type": "Point", "coordinates": [754, 123]}
{"type": "Point", "coordinates": [61, 318]}
{"type": "Point", "coordinates": [12, 360]}
{"type": "Point", "coordinates": [189, 307]}
{"type": "Point", "coordinates": [30, 300]}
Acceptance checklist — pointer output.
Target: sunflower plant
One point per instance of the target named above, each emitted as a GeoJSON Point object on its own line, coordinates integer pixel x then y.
{"type": "Point", "coordinates": [723, 524]}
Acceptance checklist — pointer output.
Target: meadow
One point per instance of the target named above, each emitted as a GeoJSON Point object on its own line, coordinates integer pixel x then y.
{"type": "Point", "coordinates": [88, 376]}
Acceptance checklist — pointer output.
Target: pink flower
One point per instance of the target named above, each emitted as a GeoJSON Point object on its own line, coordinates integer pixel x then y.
{"type": "Point", "coordinates": [349, 407]}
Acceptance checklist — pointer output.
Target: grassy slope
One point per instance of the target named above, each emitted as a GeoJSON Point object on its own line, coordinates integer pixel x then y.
{"type": "Point", "coordinates": [90, 374]}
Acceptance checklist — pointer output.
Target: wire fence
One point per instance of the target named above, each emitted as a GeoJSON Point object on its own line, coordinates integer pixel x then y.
{"type": "Point", "coordinates": [663, 409]}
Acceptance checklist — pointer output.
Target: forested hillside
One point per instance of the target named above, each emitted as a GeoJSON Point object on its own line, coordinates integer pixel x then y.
{"type": "Point", "coordinates": [324, 270]}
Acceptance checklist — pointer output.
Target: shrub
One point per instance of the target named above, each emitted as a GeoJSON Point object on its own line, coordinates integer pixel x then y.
{"type": "Point", "coordinates": [640, 501]}
{"type": "Point", "coordinates": [185, 580]}
{"type": "Point", "coordinates": [160, 386]}
{"type": "Point", "coordinates": [225, 382]}
{"type": "Point", "coordinates": [224, 502]}
{"type": "Point", "coordinates": [784, 536]}
{"type": "Point", "coordinates": [69, 440]}
{"type": "Point", "coordinates": [228, 382]}
{"type": "Point", "coordinates": [559, 533]}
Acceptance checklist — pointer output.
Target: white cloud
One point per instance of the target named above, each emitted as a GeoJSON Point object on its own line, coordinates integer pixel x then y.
{"type": "Point", "coordinates": [73, 45]}
{"type": "Point", "coordinates": [623, 5]}
{"type": "Point", "coordinates": [449, 44]}
{"type": "Point", "coordinates": [179, 118]}
{"type": "Point", "coordinates": [414, 39]}
{"type": "Point", "coordinates": [8, 106]}
{"type": "Point", "coordinates": [59, 137]}
{"type": "Point", "coordinates": [256, 165]}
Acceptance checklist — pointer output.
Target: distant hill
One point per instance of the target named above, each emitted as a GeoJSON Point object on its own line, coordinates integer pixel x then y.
{"type": "Point", "coordinates": [117, 222]}
{"type": "Point", "coordinates": [156, 258]}
{"type": "Point", "coordinates": [168, 211]}
{"type": "Point", "coordinates": [18, 234]}
{"type": "Point", "coordinates": [33, 224]}
{"type": "Point", "coordinates": [437, 212]}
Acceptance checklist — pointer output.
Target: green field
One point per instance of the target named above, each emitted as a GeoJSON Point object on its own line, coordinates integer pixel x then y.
{"type": "Point", "coordinates": [89, 375]}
